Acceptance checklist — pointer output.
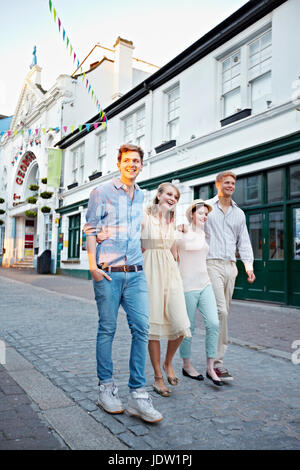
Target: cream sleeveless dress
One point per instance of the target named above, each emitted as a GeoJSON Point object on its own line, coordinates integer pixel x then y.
{"type": "Point", "coordinates": [168, 315]}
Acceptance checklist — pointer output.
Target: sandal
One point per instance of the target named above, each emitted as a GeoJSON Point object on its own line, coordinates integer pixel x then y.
{"type": "Point", "coordinates": [172, 380]}
{"type": "Point", "coordinates": [163, 393]}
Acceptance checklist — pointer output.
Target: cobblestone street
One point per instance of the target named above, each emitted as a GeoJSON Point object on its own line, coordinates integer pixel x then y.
{"type": "Point", "coordinates": [50, 322]}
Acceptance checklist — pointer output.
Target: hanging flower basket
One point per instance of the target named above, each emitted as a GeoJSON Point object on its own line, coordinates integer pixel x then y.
{"type": "Point", "coordinates": [46, 195]}
{"type": "Point", "coordinates": [44, 180]}
{"type": "Point", "coordinates": [2, 211]}
{"type": "Point", "coordinates": [33, 187]}
{"type": "Point", "coordinates": [1, 200]}
{"type": "Point", "coordinates": [46, 209]}
{"type": "Point", "coordinates": [32, 200]}
{"type": "Point", "coordinates": [1, 222]}
{"type": "Point", "coordinates": [31, 214]}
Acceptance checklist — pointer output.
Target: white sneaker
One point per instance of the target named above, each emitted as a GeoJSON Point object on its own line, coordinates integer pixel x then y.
{"type": "Point", "coordinates": [140, 404]}
{"type": "Point", "coordinates": [109, 399]}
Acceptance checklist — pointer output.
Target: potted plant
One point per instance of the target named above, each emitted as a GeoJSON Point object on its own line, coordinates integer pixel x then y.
{"type": "Point", "coordinates": [44, 180]}
{"type": "Point", "coordinates": [45, 209]}
{"type": "Point", "coordinates": [46, 195]}
{"type": "Point", "coordinates": [72, 185]}
{"type": "Point", "coordinates": [2, 211]}
{"type": "Point", "coordinates": [32, 200]}
{"type": "Point", "coordinates": [1, 200]}
{"type": "Point", "coordinates": [30, 214]}
{"type": "Point", "coordinates": [33, 187]}
{"type": "Point", "coordinates": [96, 174]}
{"type": "Point", "coordinates": [1, 222]}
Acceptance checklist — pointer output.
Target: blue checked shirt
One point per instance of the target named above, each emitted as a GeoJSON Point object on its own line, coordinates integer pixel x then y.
{"type": "Point", "coordinates": [111, 208]}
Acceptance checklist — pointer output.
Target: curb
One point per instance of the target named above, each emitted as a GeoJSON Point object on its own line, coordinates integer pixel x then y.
{"type": "Point", "coordinates": [76, 427]}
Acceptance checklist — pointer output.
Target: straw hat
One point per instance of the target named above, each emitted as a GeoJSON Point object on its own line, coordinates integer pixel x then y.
{"type": "Point", "coordinates": [194, 204]}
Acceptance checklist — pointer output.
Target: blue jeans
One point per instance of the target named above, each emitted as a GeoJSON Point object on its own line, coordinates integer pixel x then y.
{"type": "Point", "coordinates": [204, 301]}
{"type": "Point", "coordinates": [130, 291]}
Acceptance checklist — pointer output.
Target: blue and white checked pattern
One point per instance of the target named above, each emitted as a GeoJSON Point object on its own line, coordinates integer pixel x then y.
{"type": "Point", "coordinates": [111, 208]}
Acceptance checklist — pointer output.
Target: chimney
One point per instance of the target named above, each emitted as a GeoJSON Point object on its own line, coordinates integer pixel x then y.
{"type": "Point", "coordinates": [122, 67]}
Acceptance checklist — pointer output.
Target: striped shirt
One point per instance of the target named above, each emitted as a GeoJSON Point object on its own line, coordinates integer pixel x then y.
{"type": "Point", "coordinates": [110, 207]}
{"type": "Point", "coordinates": [228, 233]}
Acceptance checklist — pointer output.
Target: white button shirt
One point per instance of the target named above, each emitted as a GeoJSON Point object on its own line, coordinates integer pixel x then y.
{"type": "Point", "coordinates": [227, 233]}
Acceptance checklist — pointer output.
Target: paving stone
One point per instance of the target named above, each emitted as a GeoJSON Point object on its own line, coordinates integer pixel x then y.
{"type": "Point", "coordinates": [259, 409]}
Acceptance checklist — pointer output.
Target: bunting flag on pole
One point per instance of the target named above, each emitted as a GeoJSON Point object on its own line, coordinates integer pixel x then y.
{"type": "Point", "coordinates": [54, 167]}
{"type": "Point", "coordinates": [36, 131]}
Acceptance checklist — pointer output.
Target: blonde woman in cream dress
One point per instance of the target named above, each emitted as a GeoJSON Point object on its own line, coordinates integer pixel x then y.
{"type": "Point", "coordinates": [168, 315]}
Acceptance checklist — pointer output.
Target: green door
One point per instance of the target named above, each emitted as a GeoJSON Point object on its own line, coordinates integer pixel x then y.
{"type": "Point", "coordinates": [274, 267]}
{"type": "Point", "coordinates": [267, 239]}
{"type": "Point", "coordinates": [294, 256]}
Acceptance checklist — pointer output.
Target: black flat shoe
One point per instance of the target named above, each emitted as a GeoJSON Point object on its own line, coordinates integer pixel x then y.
{"type": "Point", "coordinates": [195, 377]}
{"type": "Point", "coordinates": [219, 383]}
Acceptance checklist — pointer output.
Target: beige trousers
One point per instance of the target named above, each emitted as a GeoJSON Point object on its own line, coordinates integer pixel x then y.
{"type": "Point", "coordinates": [222, 275]}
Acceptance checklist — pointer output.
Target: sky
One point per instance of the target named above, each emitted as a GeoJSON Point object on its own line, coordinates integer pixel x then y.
{"type": "Point", "coordinates": [159, 29]}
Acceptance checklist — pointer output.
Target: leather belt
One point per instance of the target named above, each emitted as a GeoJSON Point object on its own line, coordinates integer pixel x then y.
{"type": "Point", "coordinates": [117, 269]}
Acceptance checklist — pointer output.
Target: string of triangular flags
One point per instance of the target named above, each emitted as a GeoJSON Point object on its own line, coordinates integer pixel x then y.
{"type": "Point", "coordinates": [36, 131]}
{"type": "Point", "coordinates": [69, 45]}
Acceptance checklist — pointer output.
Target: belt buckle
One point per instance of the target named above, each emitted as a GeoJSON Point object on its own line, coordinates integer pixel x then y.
{"type": "Point", "coordinates": [125, 268]}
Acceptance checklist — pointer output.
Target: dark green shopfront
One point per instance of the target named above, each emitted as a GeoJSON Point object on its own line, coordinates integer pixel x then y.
{"type": "Point", "coordinates": [270, 199]}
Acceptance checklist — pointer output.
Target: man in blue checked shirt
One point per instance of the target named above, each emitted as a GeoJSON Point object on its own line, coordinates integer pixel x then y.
{"type": "Point", "coordinates": [116, 265]}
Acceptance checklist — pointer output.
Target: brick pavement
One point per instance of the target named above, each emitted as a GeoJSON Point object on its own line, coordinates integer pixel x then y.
{"type": "Point", "coordinates": [21, 424]}
{"type": "Point", "coordinates": [56, 334]}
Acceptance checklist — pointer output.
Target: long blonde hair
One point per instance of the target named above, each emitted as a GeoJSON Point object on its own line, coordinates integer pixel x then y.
{"type": "Point", "coordinates": [153, 209]}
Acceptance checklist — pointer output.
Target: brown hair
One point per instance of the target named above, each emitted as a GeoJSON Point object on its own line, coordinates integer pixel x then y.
{"type": "Point", "coordinates": [130, 148]}
{"type": "Point", "coordinates": [222, 175]}
{"type": "Point", "coordinates": [161, 189]}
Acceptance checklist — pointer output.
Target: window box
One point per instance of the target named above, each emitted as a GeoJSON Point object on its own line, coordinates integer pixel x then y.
{"type": "Point", "coordinates": [73, 185]}
{"type": "Point", "coordinates": [96, 175]}
{"type": "Point", "coordinates": [165, 146]}
{"type": "Point", "coordinates": [236, 117]}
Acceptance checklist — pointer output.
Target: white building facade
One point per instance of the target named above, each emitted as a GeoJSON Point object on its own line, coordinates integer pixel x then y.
{"type": "Point", "coordinates": [229, 101]}
{"type": "Point", "coordinates": [41, 119]}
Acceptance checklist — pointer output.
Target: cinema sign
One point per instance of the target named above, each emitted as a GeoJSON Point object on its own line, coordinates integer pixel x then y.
{"type": "Point", "coordinates": [24, 164]}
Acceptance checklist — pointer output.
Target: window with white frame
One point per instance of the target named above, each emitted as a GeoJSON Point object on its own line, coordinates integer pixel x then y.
{"type": "Point", "coordinates": [47, 231]}
{"type": "Point", "coordinates": [78, 164]}
{"type": "Point", "coordinates": [231, 84]}
{"type": "Point", "coordinates": [173, 110]}
{"type": "Point", "coordinates": [246, 76]}
{"type": "Point", "coordinates": [134, 128]}
{"type": "Point", "coordinates": [259, 71]}
{"type": "Point", "coordinates": [101, 152]}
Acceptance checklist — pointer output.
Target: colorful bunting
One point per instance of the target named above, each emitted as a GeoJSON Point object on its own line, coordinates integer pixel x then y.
{"type": "Point", "coordinates": [71, 50]}
{"type": "Point", "coordinates": [36, 131]}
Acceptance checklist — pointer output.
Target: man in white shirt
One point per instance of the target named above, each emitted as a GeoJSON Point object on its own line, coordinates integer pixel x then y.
{"type": "Point", "coordinates": [226, 232]}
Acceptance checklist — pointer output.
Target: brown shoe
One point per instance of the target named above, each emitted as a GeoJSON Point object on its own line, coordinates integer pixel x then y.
{"type": "Point", "coordinates": [172, 380]}
{"type": "Point", "coordinates": [223, 373]}
{"type": "Point", "coordinates": [160, 391]}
